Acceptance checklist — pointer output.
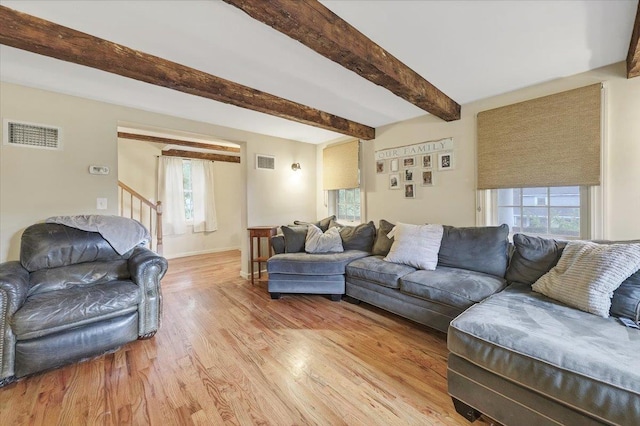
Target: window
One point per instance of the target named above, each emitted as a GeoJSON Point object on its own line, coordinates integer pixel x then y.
{"type": "Point", "coordinates": [345, 204]}
{"type": "Point", "coordinates": [560, 212]}
{"type": "Point", "coordinates": [188, 190]}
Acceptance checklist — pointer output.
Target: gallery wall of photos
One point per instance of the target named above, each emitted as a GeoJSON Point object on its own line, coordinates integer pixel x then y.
{"type": "Point", "coordinates": [408, 172]}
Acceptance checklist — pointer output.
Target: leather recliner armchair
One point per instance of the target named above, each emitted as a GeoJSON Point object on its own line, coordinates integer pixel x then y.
{"type": "Point", "coordinates": [71, 297]}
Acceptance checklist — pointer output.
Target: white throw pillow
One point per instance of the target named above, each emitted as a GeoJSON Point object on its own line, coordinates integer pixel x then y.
{"type": "Point", "coordinates": [588, 273]}
{"type": "Point", "coordinates": [415, 245]}
{"type": "Point", "coordinates": [317, 242]}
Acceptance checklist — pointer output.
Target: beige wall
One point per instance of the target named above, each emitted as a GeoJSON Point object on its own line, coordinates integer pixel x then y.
{"type": "Point", "coordinates": [453, 198]}
{"type": "Point", "coordinates": [138, 169]}
{"type": "Point", "coordinates": [36, 184]}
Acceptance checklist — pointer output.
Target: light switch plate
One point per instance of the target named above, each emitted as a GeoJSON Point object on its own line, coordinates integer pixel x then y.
{"type": "Point", "coordinates": [101, 203]}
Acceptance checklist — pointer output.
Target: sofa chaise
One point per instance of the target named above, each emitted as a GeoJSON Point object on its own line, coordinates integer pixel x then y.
{"type": "Point", "coordinates": [523, 358]}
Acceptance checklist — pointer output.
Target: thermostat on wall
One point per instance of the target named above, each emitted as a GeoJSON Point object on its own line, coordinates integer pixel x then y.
{"type": "Point", "coordinates": [99, 170]}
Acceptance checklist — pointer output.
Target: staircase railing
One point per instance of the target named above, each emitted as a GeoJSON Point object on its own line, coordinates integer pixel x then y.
{"type": "Point", "coordinates": [136, 211]}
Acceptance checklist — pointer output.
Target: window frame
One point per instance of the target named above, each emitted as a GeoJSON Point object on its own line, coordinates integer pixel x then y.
{"type": "Point", "coordinates": [334, 204]}
{"type": "Point", "coordinates": [586, 212]}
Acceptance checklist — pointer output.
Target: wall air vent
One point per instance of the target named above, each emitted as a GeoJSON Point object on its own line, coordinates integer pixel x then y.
{"type": "Point", "coordinates": [265, 162]}
{"type": "Point", "coordinates": [18, 133]}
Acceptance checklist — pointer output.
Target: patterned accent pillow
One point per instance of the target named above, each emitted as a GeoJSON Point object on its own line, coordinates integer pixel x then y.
{"type": "Point", "coordinates": [415, 245]}
{"type": "Point", "coordinates": [588, 273]}
{"type": "Point", "coordinates": [318, 242]}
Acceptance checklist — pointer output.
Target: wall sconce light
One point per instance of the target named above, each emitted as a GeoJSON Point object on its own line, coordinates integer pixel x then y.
{"type": "Point", "coordinates": [295, 167]}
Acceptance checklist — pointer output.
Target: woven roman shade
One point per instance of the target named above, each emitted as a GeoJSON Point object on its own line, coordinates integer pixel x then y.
{"type": "Point", "coordinates": [550, 141]}
{"type": "Point", "coordinates": [341, 166]}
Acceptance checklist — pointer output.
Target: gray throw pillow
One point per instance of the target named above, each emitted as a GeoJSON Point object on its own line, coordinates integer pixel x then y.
{"type": "Point", "coordinates": [358, 237]}
{"type": "Point", "coordinates": [322, 224]}
{"type": "Point", "coordinates": [382, 243]}
{"type": "Point", "coordinates": [481, 249]}
{"type": "Point", "coordinates": [626, 299]}
{"type": "Point", "coordinates": [294, 237]}
{"type": "Point", "coordinates": [533, 257]}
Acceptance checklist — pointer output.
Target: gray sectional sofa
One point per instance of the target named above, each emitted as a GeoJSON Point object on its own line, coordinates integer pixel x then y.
{"type": "Point", "coordinates": [516, 355]}
{"type": "Point", "coordinates": [471, 266]}
{"type": "Point", "coordinates": [523, 358]}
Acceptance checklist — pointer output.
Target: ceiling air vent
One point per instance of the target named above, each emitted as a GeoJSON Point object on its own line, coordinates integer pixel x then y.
{"type": "Point", "coordinates": [31, 135]}
{"type": "Point", "coordinates": [265, 162]}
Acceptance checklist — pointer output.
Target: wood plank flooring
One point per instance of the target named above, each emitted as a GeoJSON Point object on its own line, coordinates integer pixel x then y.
{"type": "Point", "coordinates": [227, 354]}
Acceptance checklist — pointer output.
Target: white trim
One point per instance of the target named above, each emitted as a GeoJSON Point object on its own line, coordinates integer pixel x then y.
{"type": "Point", "coordinates": [599, 195]}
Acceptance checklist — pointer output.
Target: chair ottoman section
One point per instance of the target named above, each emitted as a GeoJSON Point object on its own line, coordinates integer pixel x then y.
{"type": "Point", "coordinates": [557, 354]}
{"type": "Point", "coordinates": [375, 269]}
{"type": "Point", "coordinates": [321, 273]}
{"type": "Point", "coordinates": [460, 288]}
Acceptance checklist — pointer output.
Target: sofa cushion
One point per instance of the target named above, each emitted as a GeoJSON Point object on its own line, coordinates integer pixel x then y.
{"type": "Point", "coordinates": [415, 245]}
{"type": "Point", "coordinates": [312, 264]}
{"type": "Point", "coordinates": [375, 269]}
{"type": "Point", "coordinates": [53, 311]}
{"type": "Point", "coordinates": [322, 224]}
{"type": "Point", "coordinates": [382, 243]}
{"type": "Point", "coordinates": [358, 237]}
{"type": "Point", "coordinates": [480, 249]}
{"type": "Point", "coordinates": [294, 238]}
{"type": "Point", "coordinates": [77, 275]}
{"type": "Point", "coordinates": [533, 257]}
{"type": "Point", "coordinates": [451, 286]}
{"type": "Point", "coordinates": [323, 242]}
{"type": "Point", "coordinates": [587, 274]}
{"type": "Point", "coordinates": [626, 299]}
{"type": "Point", "coordinates": [582, 360]}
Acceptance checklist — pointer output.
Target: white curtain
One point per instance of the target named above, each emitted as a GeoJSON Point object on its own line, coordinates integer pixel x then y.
{"type": "Point", "coordinates": [171, 191]}
{"type": "Point", "coordinates": [204, 205]}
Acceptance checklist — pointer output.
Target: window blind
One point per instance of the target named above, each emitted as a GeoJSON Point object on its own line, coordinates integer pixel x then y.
{"type": "Point", "coordinates": [550, 141]}
{"type": "Point", "coordinates": [341, 166]}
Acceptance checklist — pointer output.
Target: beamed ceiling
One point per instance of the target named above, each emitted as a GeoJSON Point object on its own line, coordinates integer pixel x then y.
{"type": "Point", "coordinates": [307, 70]}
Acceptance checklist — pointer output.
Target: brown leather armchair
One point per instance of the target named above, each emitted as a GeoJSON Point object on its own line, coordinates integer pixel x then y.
{"type": "Point", "coordinates": [71, 297]}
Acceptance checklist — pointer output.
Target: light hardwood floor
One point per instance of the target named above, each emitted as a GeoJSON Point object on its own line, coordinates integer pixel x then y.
{"type": "Point", "coordinates": [227, 354]}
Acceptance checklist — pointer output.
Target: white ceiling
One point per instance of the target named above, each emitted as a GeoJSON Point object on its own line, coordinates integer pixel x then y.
{"type": "Point", "coordinates": [468, 49]}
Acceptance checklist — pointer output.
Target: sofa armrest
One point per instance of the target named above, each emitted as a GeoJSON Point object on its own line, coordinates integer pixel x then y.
{"type": "Point", "coordinates": [277, 243]}
{"type": "Point", "coordinates": [147, 269]}
{"type": "Point", "coordinates": [14, 286]}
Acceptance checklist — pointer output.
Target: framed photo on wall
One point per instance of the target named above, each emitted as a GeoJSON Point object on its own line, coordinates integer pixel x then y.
{"type": "Point", "coordinates": [445, 161]}
{"type": "Point", "coordinates": [409, 190]}
{"type": "Point", "coordinates": [393, 165]}
{"type": "Point", "coordinates": [409, 175]}
{"type": "Point", "coordinates": [409, 161]}
{"type": "Point", "coordinates": [381, 166]}
{"type": "Point", "coordinates": [394, 181]}
{"type": "Point", "coordinates": [427, 161]}
{"type": "Point", "coordinates": [427, 178]}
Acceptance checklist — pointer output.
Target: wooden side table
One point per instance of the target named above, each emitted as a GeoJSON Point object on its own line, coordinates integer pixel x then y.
{"type": "Point", "coordinates": [257, 233]}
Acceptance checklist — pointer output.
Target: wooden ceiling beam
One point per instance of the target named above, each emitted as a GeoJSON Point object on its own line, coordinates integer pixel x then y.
{"type": "Point", "coordinates": [40, 36]}
{"type": "Point", "coordinates": [158, 139]}
{"type": "Point", "coordinates": [633, 57]}
{"type": "Point", "coordinates": [201, 155]}
{"type": "Point", "coordinates": [315, 26]}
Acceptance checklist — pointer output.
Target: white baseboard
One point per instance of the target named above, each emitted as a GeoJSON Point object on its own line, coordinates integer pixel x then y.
{"type": "Point", "coordinates": [247, 276]}
{"type": "Point", "coordinates": [195, 253]}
